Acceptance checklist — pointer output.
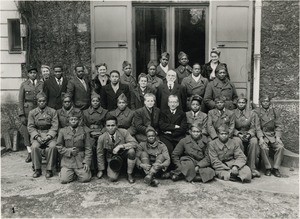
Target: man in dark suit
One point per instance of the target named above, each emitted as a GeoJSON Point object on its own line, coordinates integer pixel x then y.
{"type": "Point", "coordinates": [54, 87]}
{"type": "Point", "coordinates": [79, 88]}
{"type": "Point", "coordinates": [111, 92]}
{"type": "Point", "coordinates": [171, 87]}
{"type": "Point", "coordinates": [172, 123]}
{"type": "Point", "coordinates": [145, 117]}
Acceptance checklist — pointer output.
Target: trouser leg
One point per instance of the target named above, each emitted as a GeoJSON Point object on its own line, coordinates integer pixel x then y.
{"type": "Point", "coordinates": [278, 156]}
{"type": "Point", "coordinates": [130, 160]}
{"type": "Point", "coordinates": [82, 175]}
{"type": "Point", "coordinates": [156, 166]}
{"type": "Point", "coordinates": [36, 155]}
{"type": "Point", "coordinates": [145, 160]}
{"type": "Point", "coordinates": [265, 158]}
{"type": "Point", "coordinates": [51, 155]}
{"type": "Point", "coordinates": [245, 174]}
{"type": "Point", "coordinates": [223, 174]}
{"type": "Point", "coordinates": [24, 133]}
{"type": "Point", "coordinates": [66, 175]}
{"type": "Point", "coordinates": [252, 153]}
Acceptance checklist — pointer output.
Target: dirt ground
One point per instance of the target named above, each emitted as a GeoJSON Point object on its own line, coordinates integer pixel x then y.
{"type": "Point", "coordinates": [23, 196]}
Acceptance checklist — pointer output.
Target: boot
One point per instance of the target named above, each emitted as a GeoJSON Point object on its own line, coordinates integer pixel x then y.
{"type": "Point", "coordinates": [28, 159]}
{"type": "Point", "coordinates": [130, 178]}
{"type": "Point", "coordinates": [37, 173]}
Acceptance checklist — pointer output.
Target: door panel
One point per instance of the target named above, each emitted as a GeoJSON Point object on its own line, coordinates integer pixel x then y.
{"type": "Point", "coordinates": [111, 33]}
{"type": "Point", "coordinates": [231, 33]}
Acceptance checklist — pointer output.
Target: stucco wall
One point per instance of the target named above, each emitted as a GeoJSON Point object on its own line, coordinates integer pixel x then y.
{"type": "Point", "coordinates": [280, 63]}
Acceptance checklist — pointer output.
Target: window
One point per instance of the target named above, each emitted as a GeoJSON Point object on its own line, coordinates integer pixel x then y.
{"type": "Point", "coordinates": [14, 35]}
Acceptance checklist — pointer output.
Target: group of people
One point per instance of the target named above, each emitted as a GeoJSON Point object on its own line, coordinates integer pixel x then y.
{"type": "Point", "coordinates": [188, 123]}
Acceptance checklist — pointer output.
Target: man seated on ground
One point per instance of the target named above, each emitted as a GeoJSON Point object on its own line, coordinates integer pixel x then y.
{"type": "Point", "coordinates": [42, 127]}
{"type": "Point", "coordinates": [191, 158]}
{"type": "Point", "coordinates": [74, 144]}
{"type": "Point", "coordinates": [246, 122]}
{"type": "Point", "coordinates": [227, 157]}
{"type": "Point", "coordinates": [152, 157]}
{"type": "Point", "coordinates": [269, 135]}
{"type": "Point", "coordinates": [117, 145]}
{"type": "Point", "coordinates": [219, 116]}
{"type": "Point", "coordinates": [146, 116]}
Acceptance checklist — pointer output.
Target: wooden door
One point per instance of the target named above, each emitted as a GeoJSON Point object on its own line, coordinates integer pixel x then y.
{"type": "Point", "coordinates": [232, 34]}
{"type": "Point", "coordinates": [111, 33]}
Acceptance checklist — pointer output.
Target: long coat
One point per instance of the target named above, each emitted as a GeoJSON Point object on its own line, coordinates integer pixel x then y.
{"type": "Point", "coordinates": [137, 97]}
{"type": "Point", "coordinates": [81, 97]}
{"type": "Point", "coordinates": [161, 73]}
{"type": "Point", "coordinates": [188, 154]}
{"type": "Point", "coordinates": [63, 116]}
{"type": "Point", "coordinates": [216, 119]}
{"type": "Point", "coordinates": [129, 80]}
{"type": "Point", "coordinates": [217, 88]}
{"type": "Point", "coordinates": [94, 119]}
{"type": "Point", "coordinates": [246, 122]}
{"type": "Point", "coordinates": [66, 140]}
{"type": "Point", "coordinates": [125, 119]}
{"type": "Point", "coordinates": [194, 87]}
{"type": "Point", "coordinates": [53, 92]}
{"type": "Point", "coordinates": [109, 98]}
{"type": "Point", "coordinates": [97, 86]}
{"type": "Point", "coordinates": [200, 118]}
{"type": "Point", "coordinates": [163, 94]}
{"type": "Point", "coordinates": [183, 72]}
{"type": "Point", "coordinates": [207, 70]}
{"type": "Point", "coordinates": [154, 82]}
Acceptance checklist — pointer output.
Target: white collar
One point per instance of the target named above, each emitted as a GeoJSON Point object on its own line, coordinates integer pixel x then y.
{"type": "Point", "coordinates": [165, 69]}
{"type": "Point", "coordinates": [57, 80]}
{"type": "Point", "coordinates": [196, 78]}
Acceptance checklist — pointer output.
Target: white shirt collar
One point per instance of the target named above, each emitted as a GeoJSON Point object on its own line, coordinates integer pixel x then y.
{"type": "Point", "coordinates": [196, 78]}
{"type": "Point", "coordinates": [165, 69]}
{"type": "Point", "coordinates": [61, 79]}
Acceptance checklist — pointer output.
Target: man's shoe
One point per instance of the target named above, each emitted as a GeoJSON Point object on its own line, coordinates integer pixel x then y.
{"type": "Point", "coordinates": [49, 174]}
{"type": "Point", "coordinates": [166, 175]}
{"type": "Point", "coordinates": [148, 179]}
{"type": "Point", "coordinates": [28, 159]}
{"type": "Point", "coordinates": [37, 173]}
{"type": "Point", "coordinates": [255, 173]}
{"type": "Point", "coordinates": [197, 179]}
{"type": "Point", "coordinates": [268, 172]}
{"type": "Point", "coordinates": [154, 183]}
{"type": "Point", "coordinates": [130, 179]}
{"type": "Point", "coordinates": [276, 172]}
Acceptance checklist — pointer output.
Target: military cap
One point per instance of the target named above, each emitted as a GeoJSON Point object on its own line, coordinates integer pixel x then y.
{"type": "Point", "coordinates": [41, 95]}
{"type": "Point", "coordinates": [242, 97]}
{"type": "Point", "coordinates": [216, 51]}
{"type": "Point", "coordinates": [196, 125]}
{"type": "Point", "coordinates": [197, 98]}
{"type": "Point", "coordinates": [151, 63]}
{"type": "Point", "coordinates": [181, 54]}
{"type": "Point", "coordinates": [122, 97]}
{"type": "Point", "coordinates": [165, 54]}
{"type": "Point", "coordinates": [74, 113]}
{"type": "Point", "coordinates": [125, 63]}
{"type": "Point", "coordinates": [265, 96]}
{"type": "Point", "coordinates": [31, 67]}
{"type": "Point", "coordinates": [65, 95]}
{"type": "Point", "coordinates": [95, 95]}
{"type": "Point", "coordinates": [116, 163]}
{"type": "Point", "coordinates": [223, 128]}
{"type": "Point", "coordinates": [221, 67]}
{"type": "Point", "coordinates": [221, 98]}
{"type": "Point", "coordinates": [149, 129]}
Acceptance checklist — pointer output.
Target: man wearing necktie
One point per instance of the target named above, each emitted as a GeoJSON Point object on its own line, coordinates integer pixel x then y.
{"type": "Point", "coordinates": [115, 145]}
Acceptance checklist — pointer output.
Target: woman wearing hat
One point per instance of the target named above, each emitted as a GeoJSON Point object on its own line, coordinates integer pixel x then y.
{"type": "Point", "coordinates": [127, 77]}
{"type": "Point", "coordinates": [101, 79]}
{"type": "Point", "coordinates": [209, 69]}
{"type": "Point", "coordinates": [183, 70]}
{"type": "Point", "coordinates": [221, 86]}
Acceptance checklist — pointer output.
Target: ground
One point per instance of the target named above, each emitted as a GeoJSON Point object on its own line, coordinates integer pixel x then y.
{"type": "Point", "coordinates": [23, 196]}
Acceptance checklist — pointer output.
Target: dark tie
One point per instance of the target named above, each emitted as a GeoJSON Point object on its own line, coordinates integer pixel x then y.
{"type": "Point", "coordinates": [59, 82]}
{"type": "Point", "coordinates": [74, 131]}
{"type": "Point", "coordinates": [112, 138]}
{"type": "Point", "coordinates": [170, 88]}
{"type": "Point", "coordinates": [33, 83]}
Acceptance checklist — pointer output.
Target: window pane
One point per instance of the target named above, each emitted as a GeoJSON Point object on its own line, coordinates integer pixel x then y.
{"type": "Point", "coordinates": [190, 34]}
{"type": "Point", "coordinates": [14, 34]}
{"type": "Point", "coordinates": [150, 30]}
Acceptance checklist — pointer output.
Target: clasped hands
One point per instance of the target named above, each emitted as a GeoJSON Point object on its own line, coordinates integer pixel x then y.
{"type": "Point", "coordinates": [42, 140]}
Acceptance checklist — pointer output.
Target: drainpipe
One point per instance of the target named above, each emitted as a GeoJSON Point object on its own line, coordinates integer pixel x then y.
{"type": "Point", "coordinates": [257, 55]}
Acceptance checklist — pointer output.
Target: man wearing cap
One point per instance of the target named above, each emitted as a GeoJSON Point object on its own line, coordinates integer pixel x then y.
{"type": "Point", "coordinates": [73, 143]}
{"type": "Point", "coordinates": [124, 115]}
{"type": "Point", "coordinates": [43, 127]}
{"type": "Point", "coordinates": [183, 70]}
{"type": "Point", "coordinates": [27, 101]}
{"type": "Point", "coordinates": [220, 86]}
{"type": "Point", "coordinates": [219, 116]}
{"type": "Point", "coordinates": [152, 157]}
{"type": "Point", "coordinates": [111, 92]}
{"type": "Point", "coordinates": [191, 159]}
{"type": "Point", "coordinates": [126, 77]}
{"type": "Point", "coordinates": [163, 66]}
{"type": "Point", "coordinates": [115, 146]}
{"type": "Point", "coordinates": [170, 87]}
{"type": "Point", "coordinates": [153, 81]}
{"type": "Point", "coordinates": [227, 157]}
{"type": "Point", "coordinates": [246, 122]}
{"type": "Point", "coordinates": [269, 135]}
{"type": "Point", "coordinates": [54, 87]}
{"type": "Point", "coordinates": [146, 116]}
{"type": "Point", "coordinates": [79, 89]}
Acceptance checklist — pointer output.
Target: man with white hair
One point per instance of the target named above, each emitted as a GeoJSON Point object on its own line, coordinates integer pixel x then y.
{"type": "Point", "coordinates": [171, 87]}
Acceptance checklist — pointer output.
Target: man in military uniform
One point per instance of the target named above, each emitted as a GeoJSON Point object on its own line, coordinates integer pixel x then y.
{"type": "Point", "coordinates": [27, 101]}
{"type": "Point", "coordinates": [153, 80]}
{"type": "Point", "coordinates": [227, 157]}
{"type": "Point", "coordinates": [115, 146]}
{"type": "Point", "coordinates": [246, 122]}
{"type": "Point", "coordinates": [73, 143]}
{"type": "Point", "coordinates": [219, 116]}
{"type": "Point", "coordinates": [42, 127]}
{"type": "Point", "coordinates": [269, 136]}
{"type": "Point", "coordinates": [163, 66]}
{"type": "Point", "coordinates": [183, 70]}
{"type": "Point", "coordinates": [152, 157]}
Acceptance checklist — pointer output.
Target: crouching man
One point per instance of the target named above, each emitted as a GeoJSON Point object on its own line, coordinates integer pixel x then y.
{"type": "Point", "coordinates": [152, 157]}
{"type": "Point", "coordinates": [119, 146]}
{"type": "Point", "coordinates": [74, 144]}
{"type": "Point", "coordinates": [191, 157]}
{"type": "Point", "coordinates": [227, 157]}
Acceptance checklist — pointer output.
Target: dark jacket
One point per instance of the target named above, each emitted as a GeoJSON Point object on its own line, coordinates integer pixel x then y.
{"type": "Point", "coordinates": [137, 97]}
{"type": "Point", "coordinates": [206, 70]}
{"type": "Point", "coordinates": [96, 85]}
{"type": "Point", "coordinates": [81, 97]}
{"type": "Point", "coordinates": [142, 119]}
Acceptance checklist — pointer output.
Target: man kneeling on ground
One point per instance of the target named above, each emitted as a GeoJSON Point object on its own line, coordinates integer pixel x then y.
{"type": "Point", "coordinates": [227, 157]}
{"type": "Point", "coordinates": [191, 157]}
{"type": "Point", "coordinates": [152, 157]}
{"type": "Point", "coordinates": [75, 146]}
